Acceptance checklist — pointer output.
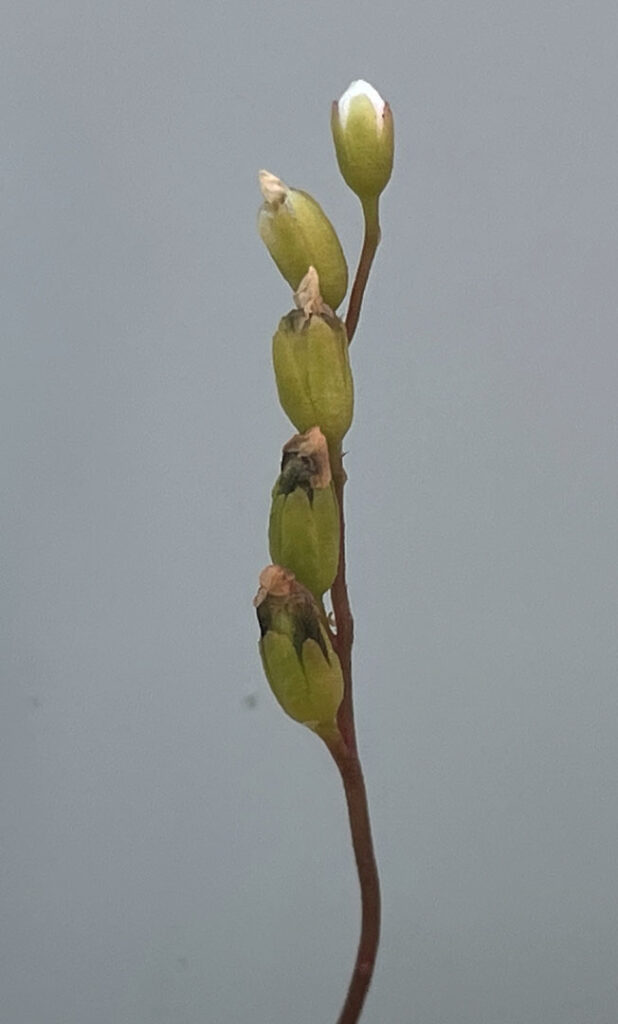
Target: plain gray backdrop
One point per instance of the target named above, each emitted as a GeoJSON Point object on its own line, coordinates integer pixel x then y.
{"type": "Point", "coordinates": [174, 850]}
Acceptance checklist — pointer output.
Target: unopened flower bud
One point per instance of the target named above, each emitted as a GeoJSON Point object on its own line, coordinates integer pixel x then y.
{"type": "Point", "coordinates": [301, 666]}
{"type": "Point", "coordinates": [362, 126]}
{"type": "Point", "coordinates": [303, 530]}
{"type": "Point", "coordinates": [312, 366]}
{"type": "Point", "coordinates": [298, 234]}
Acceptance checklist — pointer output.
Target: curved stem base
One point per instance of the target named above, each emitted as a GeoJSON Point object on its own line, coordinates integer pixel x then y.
{"type": "Point", "coordinates": [356, 798]}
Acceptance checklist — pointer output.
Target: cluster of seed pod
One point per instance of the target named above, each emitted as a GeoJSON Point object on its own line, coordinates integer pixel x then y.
{"type": "Point", "coordinates": [314, 384]}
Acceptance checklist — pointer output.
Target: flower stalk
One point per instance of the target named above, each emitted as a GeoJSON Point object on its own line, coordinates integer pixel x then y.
{"type": "Point", "coordinates": [371, 241]}
{"type": "Point", "coordinates": [306, 654]}
{"type": "Point", "coordinates": [351, 772]}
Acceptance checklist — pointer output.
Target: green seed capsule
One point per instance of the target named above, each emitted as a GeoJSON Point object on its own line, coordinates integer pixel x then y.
{"type": "Point", "coordinates": [303, 529]}
{"type": "Point", "coordinates": [298, 658]}
{"type": "Point", "coordinates": [298, 234]}
{"type": "Point", "coordinates": [312, 369]}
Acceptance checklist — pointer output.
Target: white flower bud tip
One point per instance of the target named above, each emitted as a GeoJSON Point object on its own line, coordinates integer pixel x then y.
{"type": "Point", "coordinates": [361, 88]}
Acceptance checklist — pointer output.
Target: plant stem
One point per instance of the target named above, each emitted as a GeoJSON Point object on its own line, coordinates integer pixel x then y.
{"type": "Point", "coordinates": [371, 241]}
{"type": "Point", "coordinates": [344, 637]}
{"type": "Point", "coordinates": [342, 746]}
{"type": "Point", "coordinates": [351, 773]}
{"type": "Point", "coordinates": [342, 742]}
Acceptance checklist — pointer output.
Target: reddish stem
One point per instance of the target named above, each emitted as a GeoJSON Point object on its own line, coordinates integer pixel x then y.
{"type": "Point", "coordinates": [343, 748]}
{"type": "Point", "coordinates": [342, 744]}
{"type": "Point", "coordinates": [344, 637]}
{"type": "Point", "coordinates": [371, 240]}
{"type": "Point", "coordinates": [358, 812]}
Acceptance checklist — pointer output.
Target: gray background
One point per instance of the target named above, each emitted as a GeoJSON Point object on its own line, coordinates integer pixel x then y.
{"type": "Point", "coordinates": [174, 849]}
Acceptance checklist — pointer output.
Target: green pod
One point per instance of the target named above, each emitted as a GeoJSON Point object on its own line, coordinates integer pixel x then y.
{"type": "Point", "coordinates": [299, 662]}
{"type": "Point", "coordinates": [312, 369]}
{"type": "Point", "coordinates": [303, 529]}
{"type": "Point", "coordinates": [298, 234]}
